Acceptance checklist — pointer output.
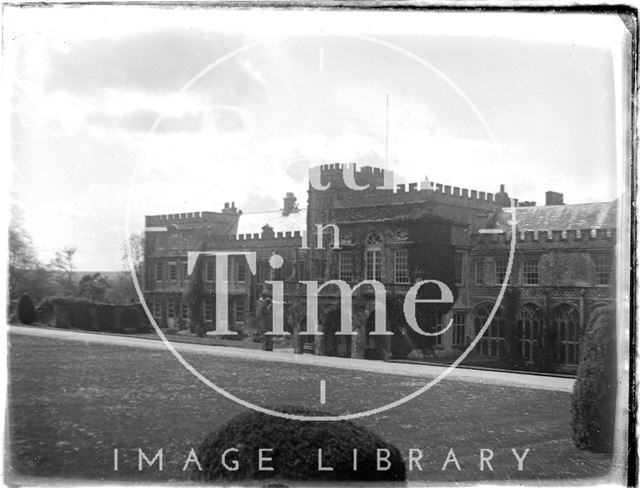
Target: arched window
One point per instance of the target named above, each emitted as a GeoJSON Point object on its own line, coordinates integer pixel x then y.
{"type": "Point", "coordinates": [566, 322]}
{"type": "Point", "coordinates": [530, 323]}
{"type": "Point", "coordinates": [492, 341]}
{"type": "Point", "coordinates": [373, 257]}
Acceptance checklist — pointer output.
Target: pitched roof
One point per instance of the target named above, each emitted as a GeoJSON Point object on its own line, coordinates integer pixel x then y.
{"type": "Point", "coordinates": [252, 222]}
{"type": "Point", "coordinates": [561, 217]}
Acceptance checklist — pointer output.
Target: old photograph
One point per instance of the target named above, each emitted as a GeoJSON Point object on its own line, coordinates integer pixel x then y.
{"type": "Point", "coordinates": [287, 245]}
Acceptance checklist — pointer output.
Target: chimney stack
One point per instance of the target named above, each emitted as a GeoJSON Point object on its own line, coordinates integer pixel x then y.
{"type": "Point", "coordinates": [290, 204]}
{"type": "Point", "coordinates": [502, 198]}
{"type": "Point", "coordinates": [230, 208]}
{"type": "Point", "coordinates": [554, 198]}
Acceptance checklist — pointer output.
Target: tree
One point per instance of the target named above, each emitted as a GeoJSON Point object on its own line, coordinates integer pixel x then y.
{"type": "Point", "coordinates": [22, 258]}
{"type": "Point", "coordinates": [26, 310]}
{"type": "Point", "coordinates": [593, 404]}
{"type": "Point", "coordinates": [122, 289]}
{"type": "Point", "coordinates": [26, 273]}
{"type": "Point", "coordinates": [135, 251]}
{"type": "Point", "coordinates": [94, 286]}
{"type": "Point", "coordinates": [63, 267]}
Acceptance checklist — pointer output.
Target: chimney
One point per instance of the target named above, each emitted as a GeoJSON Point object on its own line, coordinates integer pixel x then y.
{"type": "Point", "coordinates": [502, 198]}
{"type": "Point", "coordinates": [554, 198]}
{"type": "Point", "coordinates": [267, 232]}
{"type": "Point", "coordinates": [290, 204]}
{"type": "Point", "coordinates": [230, 209]}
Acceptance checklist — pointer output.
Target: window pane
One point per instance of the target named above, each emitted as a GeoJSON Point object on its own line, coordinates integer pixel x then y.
{"type": "Point", "coordinates": [501, 270]}
{"type": "Point", "coordinates": [479, 272]}
{"type": "Point", "coordinates": [402, 266]}
{"type": "Point", "coordinates": [458, 267]}
{"type": "Point", "coordinates": [530, 272]}
{"type": "Point", "coordinates": [345, 263]}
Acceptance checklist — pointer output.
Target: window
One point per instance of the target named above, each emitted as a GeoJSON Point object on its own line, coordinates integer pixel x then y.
{"type": "Point", "coordinates": [374, 239]}
{"type": "Point", "coordinates": [278, 274]}
{"type": "Point", "coordinates": [530, 275]}
{"type": "Point", "coordinates": [492, 341]}
{"type": "Point", "coordinates": [209, 270]}
{"type": "Point", "coordinates": [185, 270]}
{"type": "Point", "coordinates": [161, 241]}
{"type": "Point", "coordinates": [501, 270]}
{"type": "Point", "coordinates": [530, 323]}
{"type": "Point", "coordinates": [239, 311]}
{"type": "Point", "coordinates": [438, 328]}
{"type": "Point", "coordinates": [459, 323]}
{"type": "Point", "coordinates": [208, 309]}
{"type": "Point", "coordinates": [184, 309]}
{"type": "Point", "coordinates": [345, 264]}
{"type": "Point", "coordinates": [156, 308]}
{"type": "Point", "coordinates": [479, 272]}
{"type": "Point", "coordinates": [186, 241]}
{"type": "Point", "coordinates": [603, 270]}
{"type": "Point", "coordinates": [566, 321]}
{"type": "Point", "coordinates": [174, 241]}
{"type": "Point", "coordinates": [317, 268]}
{"type": "Point", "coordinates": [171, 308]}
{"type": "Point", "coordinates": [458, 266]}
{"type": "Point", "coordinates": [173, 271]}
{"type": "Point", "coordinates": [264, 272]}
{"type": "Point", "coordinates": [373, 264]}
{"type": "Point", "coordinates": [402, 266]}
{"type": "Point", "coordinates": [241, 272]}
{"type": "Point", "coordinates": [159, 270]}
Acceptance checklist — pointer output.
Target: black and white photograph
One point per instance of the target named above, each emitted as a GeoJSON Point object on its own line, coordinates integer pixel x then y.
{"type": "Point", "coordinates": [301, 244]}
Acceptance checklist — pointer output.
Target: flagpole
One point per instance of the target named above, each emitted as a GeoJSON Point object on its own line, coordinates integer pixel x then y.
{"type": "Point", "coordinates": [386, 138]}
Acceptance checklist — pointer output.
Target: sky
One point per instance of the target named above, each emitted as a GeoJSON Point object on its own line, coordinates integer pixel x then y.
{"type": "Point", "coordinates": [122, 111]}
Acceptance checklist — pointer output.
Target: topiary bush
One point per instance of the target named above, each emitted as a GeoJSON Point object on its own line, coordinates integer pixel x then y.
{"type": "Point", "coordinates": [26, 310]}
{"type": "Point", "coordinates": [294, 454]}
{"type": "Point", "coordinates": [593, 404]}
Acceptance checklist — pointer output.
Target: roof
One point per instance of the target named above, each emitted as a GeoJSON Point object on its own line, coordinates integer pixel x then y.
{"type": "Point", "coordinates": [561, 217]}
{"type": "Point", "coordinates": [252, 222]}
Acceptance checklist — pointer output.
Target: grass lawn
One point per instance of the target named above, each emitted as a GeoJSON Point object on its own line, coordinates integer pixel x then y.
{"type": "Point", "coordinates": [72, 403]}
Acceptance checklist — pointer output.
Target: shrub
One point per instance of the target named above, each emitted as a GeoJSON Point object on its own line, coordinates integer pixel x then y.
{"type": "Point", "coordinates": [594, 393]}
{"type": "Point", "coordinates": [80, 313]}
{"type": "Point", "coordinates": [295, 447]}
{"type": "Point", "coordinates": [130, 318]}
{"type": "Point", "coordinates": [26, 310]}
{"type": "Point", "coordinates": [105, 318]}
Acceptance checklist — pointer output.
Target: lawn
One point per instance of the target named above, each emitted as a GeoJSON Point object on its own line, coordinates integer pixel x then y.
{"type": "Point", "coordinates": [71, 403]}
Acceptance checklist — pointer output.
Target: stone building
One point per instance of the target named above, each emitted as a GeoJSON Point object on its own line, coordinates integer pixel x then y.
{"type": "Point", "coordinates": [562, 268]}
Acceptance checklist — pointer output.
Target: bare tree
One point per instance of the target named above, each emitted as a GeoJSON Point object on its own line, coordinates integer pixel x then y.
{"type": "Point", "coordinates": [26, 274]}
{"type": "Point", "coordinates": [22, 258]}
{"type": "Point", "coordinates": [94, 286]}
{"type": "Point", "coordinates": [63, 266]}
{"type": "Point", "coordinates": [135, 250]}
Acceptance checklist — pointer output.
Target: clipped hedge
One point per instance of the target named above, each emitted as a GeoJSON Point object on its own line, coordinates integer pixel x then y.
{"type": "Point", "coordinates": [593, 404]}
{"type": "Point", "coordinates": [26, 310]}
{"type": "Point", "coordinates": [80, 313]}
{"type": "Point", "coordinates": [294, 454]}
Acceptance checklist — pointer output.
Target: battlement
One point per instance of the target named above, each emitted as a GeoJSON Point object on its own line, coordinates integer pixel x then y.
{"type": "Point", "coordinates": [285, 238]}
{"type": "Point", "coordinates": [558, 236]}
{"type": "Point", "coordinates": [187, 218]}
{"type": "Point", "coordinates": [402, 193]}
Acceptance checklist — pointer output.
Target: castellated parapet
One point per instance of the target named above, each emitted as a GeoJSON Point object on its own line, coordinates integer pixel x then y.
{"type": "Point", "coordinates": [572, 238]}
{"type": "Point", "coordinates": [402, 193]}
{"type": "Point", "coordinates": [188, 218]}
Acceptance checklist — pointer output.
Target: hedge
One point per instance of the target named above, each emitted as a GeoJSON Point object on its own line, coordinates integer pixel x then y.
{"type": "Point", "coordinates": [26, 310]}
{"type": "Point", "coordinates": [294, 454]}
{"type": "Point", "coordinates": [80, 313]}
{"type": "Point", "coordinates": [593, 404]}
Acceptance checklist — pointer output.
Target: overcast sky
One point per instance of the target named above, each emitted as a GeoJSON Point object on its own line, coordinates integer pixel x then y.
{"type": "Point", "coordinates": [249, 100]}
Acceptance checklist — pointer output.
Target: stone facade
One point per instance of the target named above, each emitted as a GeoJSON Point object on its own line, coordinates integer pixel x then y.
{"type": "Point", "coordinates": [562, 266]}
